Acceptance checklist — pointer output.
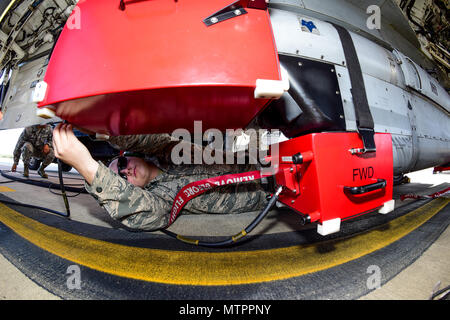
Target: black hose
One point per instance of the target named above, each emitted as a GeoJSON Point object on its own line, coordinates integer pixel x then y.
{"type": "Point", "coordinates": [42, 183]}
{"type": "Point", "coordinates": [33, 207]}
{"type": "Point", "coordinates": [63, 189]}
{"type": "Point", "coordinates": [60, 194]}
{"type": "Point", "coordinates": [3, 182]}
{"type": "Point", "coordinates": [232, 239]}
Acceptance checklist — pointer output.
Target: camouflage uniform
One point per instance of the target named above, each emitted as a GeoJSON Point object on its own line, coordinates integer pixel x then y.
{"type": "Point", "coordinates": [149, 208]}
{"type": "Point", "coordinates": [31, 144]}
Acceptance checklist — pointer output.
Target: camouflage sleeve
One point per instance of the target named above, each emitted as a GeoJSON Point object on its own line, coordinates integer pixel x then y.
{"type": "Point", "coordinates": [159, 145]}
{"type": "Point", "coordinates": [144, 143]}
{"type": "Point", "coordinates": [18, 149]}
{"type": "Point", "coordinates": [134, 207]}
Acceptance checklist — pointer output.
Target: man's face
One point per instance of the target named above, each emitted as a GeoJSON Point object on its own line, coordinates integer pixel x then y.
{"type": "Point", "coordinates": [137, 171]}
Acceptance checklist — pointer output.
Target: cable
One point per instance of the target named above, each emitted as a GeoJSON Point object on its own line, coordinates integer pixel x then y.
{"type": "Point", "coordinates": [40, 183]}
{"type": "Point", "coordinates": [60, 194]}
{"type": "Point", "coordinates": [63, 189]}
{"type": "Point", "coordinates": [3, 182]}
{"type": "Point", "coordinates": [232, 239]}
{"type": "Point", "coordinates": [33, 207]}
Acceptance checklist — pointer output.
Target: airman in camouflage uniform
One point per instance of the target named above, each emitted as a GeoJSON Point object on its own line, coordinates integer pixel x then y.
{"type": "Point", "coordinates": [35, 141]}
{"type": "Point", "coordinates": [149, 208]}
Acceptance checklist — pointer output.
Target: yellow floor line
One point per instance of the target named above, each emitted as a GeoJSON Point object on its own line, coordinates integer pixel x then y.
{"type": "Point", "coordinates": [217, 268]}
{"type": "Point", "coordinates": [6, 189]}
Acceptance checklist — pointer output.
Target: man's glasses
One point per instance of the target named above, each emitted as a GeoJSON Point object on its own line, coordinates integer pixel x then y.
{"type": "Point", "coordinates": [122, 163]}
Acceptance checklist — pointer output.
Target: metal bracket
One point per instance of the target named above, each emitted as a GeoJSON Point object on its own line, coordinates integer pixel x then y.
{"type": "Point", "coordinates": [367, 136]}
{"type": "Point", "coordinates": [233, 10]}
{"type": "Point", "coordinates": [122, 5]}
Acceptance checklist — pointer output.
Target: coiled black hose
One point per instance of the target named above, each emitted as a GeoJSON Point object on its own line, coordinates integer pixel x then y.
{"type": "Point", "coordinates": [63, 189]}
{"type": "Point", "coordinates": [235, 238]}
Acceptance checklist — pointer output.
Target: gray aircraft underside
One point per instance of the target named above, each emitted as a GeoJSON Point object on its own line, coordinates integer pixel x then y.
{"type": "Point", "coordinates": [404, 99]}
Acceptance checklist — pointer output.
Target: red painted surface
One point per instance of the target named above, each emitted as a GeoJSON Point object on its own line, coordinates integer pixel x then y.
{"type": "Point", "coordinates": [155, 66]}
{"type": "Point", "coordinates": [316, 187]}
{"type": "Point", "coordinates": [441, 169]}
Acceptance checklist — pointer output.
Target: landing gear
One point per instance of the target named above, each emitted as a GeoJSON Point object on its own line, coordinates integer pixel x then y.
{"type": "Point", "coordinates": [401, 179]}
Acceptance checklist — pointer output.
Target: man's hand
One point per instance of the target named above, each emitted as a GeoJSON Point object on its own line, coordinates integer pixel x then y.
{"type": "Point", "coordinates": [70, 150]}
{"type": "Point", "coordinates": [14, 167]}
{"type": "Point", "coordinates": [46, 149]}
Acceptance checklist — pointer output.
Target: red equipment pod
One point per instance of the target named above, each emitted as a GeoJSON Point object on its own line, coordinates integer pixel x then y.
{"type": "Point", "coordinates": [328, 182]}
{"type": "Point", "coordinates": [156, 66]}
{"type": "Point", "coordinates": [441, 168]}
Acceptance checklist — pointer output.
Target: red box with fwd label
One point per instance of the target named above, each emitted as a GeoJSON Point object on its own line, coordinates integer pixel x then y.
{"type": "Point", "coordinates": [328, 179]}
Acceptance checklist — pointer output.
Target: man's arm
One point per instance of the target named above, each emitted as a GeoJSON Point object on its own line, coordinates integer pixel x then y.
{"type": "Point", "coordinates": [144, 143]}
{"type": "Point", "coordinates": [69, 149]}
{"type": "Point", "coordinates": [159, 145]}
{"type": "Point", "coordinates": [133, 206]}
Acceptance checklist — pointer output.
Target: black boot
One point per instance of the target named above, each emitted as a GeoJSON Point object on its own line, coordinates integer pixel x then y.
{"type": "Point", "coordinates": [42, 173]}
{"type": "Point", "coordinates": [26, 171]}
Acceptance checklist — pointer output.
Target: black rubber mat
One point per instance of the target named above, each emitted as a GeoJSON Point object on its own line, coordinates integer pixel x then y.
{"type": "Point", "coordinates": [345, 281]}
